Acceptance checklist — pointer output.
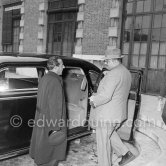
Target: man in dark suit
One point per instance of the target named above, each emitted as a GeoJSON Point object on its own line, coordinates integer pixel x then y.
{"type": "Point", "coordinates": [110, 109]}
{"type": "Point", "coordinates": [51, 111]}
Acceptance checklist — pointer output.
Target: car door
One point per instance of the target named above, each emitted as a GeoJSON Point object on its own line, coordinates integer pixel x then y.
{"type": "Point", "coordinates": [126, 131]}
{"type": "Point", "coordinates": [18, 92]}
{"type": "Point", "coordinates": [76, 89]}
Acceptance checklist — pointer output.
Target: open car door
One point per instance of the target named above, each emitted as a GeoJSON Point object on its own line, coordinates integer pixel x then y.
{"type": "Point", "coordinates": [76, 92]}
{"type": "Point", "coordinates": [126, 131]}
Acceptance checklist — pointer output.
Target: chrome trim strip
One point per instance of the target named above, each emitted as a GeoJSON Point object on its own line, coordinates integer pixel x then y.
{"type": "Point", "coordinates": [20, 90]}
{"type": "Point", "coordinates": [18, 93]}
{"type": "Point", "coordinates": [17, 97]}
{"type": "Point", "coordinates": [14, 153]}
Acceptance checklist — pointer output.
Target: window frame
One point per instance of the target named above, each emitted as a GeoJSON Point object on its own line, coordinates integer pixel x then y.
{"type": "Point", "coordinates": [62, 7]}
{"type": "Point", "coordinates": [24, 89]}
{"type": "Point", "coordinates": [63, 23]}
{"type": "Point", "coordinates": [147, 70]}
{"type": "Point", "coordinates": [8, 44]}
{"type": "Point", "coordinates": [73, 67]}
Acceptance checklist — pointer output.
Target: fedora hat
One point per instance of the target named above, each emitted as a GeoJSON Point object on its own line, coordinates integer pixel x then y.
{"type": "Point", "coordinates": [113, 54]}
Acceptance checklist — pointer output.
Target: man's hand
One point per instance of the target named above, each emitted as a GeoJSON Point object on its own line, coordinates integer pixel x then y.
{"type": "Point", "coordinates": [91, 102]}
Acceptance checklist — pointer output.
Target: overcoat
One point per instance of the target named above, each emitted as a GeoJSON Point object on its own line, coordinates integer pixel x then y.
{"type": "Point", "coordinates": [111, 97]}
{"type": "Point", "coordinates": [50, 115]}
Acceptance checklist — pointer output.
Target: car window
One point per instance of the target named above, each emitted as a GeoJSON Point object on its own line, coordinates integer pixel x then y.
{"type": "Point", "coordinates": [74, 82]}
{"type": "Point", "coordinates": [73, 73]}
{"type": "Point", "coordinates": [14, 78]}
{"type": "Point", "coordinates": [93, 76]}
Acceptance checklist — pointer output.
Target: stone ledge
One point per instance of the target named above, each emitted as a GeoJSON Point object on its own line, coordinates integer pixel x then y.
{"type": "Point", "coordinates": [22, 10]}
{"type": "Point", "coordinates": [42, 7]}
{"type": "Point", "coordinates": [39, 49]}
{"type": "Point", "coordinates": [114, 13]}
{"type": "Point", "coordinates": [78, 50]}
{"type": "Point", "coordinates": [79, 33]}
{"type": "Point", "coordinates": [89, 57]}
{"type": "Point", "coordinates": [21, 23]}
{"type": "Point", "coordinates": [153, 122]}
{"type": "Point", "coordinates": [81, 2]}
{"type": "Point", "coordinates": [21, 48]}
{"type": "Point", "coordinates": [148, 150]}
{"type": "Point", "coordinates": [41, 21]}
{"type": "Point", "coordinates": [21, 36]}
{"type": "Point", "coordinates": [150, 112]}
{"type": "Point", "coordinates": [40, 35]}
{"type": "Point", "coordinates": [113, 32]}
{"type": "Point", "coordinates": [80, 16]}
{"type": "Point", "coordinates": [158, 135]}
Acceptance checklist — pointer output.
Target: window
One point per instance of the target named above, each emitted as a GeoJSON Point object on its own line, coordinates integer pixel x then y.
{"type": "Point", "coordinates": [144, 40]}
{"type": "Point", "coordinates": [11, 29]}
{"type": "Point", "coordinates": [74, 84]}
{"type": "Point", "coordinates": [19, 78]}
{"type": "Point", "coordinates": [76, 95]}
{"type": "Point", "coordinates": [61, 26]}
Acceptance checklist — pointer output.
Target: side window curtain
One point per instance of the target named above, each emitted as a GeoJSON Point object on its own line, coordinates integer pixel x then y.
{"type": "Point", "coordinates": [7, 28]}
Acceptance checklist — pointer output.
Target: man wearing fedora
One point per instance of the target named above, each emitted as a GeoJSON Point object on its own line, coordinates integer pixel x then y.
{"type": "Point", "coordinates": [110, 109]}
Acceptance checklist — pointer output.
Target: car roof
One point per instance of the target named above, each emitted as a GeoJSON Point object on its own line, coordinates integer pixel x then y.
{"type": "Point", "coordinates": [20, 59]}
{"type": "Point", "coordinates": [33, 58]}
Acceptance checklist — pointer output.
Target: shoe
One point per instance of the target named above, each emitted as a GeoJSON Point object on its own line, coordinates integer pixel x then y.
{"type": "Point", "coordinates": [126, 158]}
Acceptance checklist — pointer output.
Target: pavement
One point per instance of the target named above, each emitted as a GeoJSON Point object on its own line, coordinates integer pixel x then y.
{"type": "Point", "coordinates": [149, 147]}
{"type": "Point", "coordinates": [150, 150]}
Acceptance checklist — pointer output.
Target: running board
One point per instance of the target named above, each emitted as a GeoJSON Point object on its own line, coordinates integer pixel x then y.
{"type": "Point", "coordinates": [79, 135]}
{"type": "Point", "coordinates": [78, 132]}
{"type": "Point", "coordinates": [72, 134]}
{"type": "Point", "coordinates": [14, 153]}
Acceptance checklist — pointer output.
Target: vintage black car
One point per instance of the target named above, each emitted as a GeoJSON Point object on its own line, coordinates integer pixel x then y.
{"type": "Point", "coordinates": [19, 77]}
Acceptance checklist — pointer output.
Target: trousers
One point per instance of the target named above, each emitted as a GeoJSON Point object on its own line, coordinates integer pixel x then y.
{"type": "Point", "coordinates": [108, 141]}
{"type": "Point", "coordinates": [51, 163]}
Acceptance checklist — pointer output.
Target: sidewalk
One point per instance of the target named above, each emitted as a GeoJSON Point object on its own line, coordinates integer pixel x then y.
{"type": "Point", "coordinates": [152, 125]}
{"type": "Point", "coordinates": [83, 153]}
{"type": "Point", "coordinates": [158, 135]}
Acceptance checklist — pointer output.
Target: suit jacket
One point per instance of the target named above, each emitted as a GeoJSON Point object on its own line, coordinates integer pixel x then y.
{"type": "Point", "coordinates": [50, 107]}
{"type": "Point", "coordinates": [112, 95]}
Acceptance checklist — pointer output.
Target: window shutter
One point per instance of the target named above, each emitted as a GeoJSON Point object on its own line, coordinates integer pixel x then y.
{"type": "Point", "coordinates": [7, 28]}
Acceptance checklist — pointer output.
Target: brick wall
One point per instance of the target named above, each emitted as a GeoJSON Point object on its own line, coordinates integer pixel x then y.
{"type": "Point", "coordinates": [96, 23]}
{"type": "Point", "coordinates": [31, 16]}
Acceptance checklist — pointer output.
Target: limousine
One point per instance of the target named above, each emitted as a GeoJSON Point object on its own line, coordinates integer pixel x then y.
{"type": "Point", "coordinates": [19, 77]}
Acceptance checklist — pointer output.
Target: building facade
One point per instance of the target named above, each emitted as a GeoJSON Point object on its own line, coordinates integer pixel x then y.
{"type": "Point", "coordinates": [86, 28]}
